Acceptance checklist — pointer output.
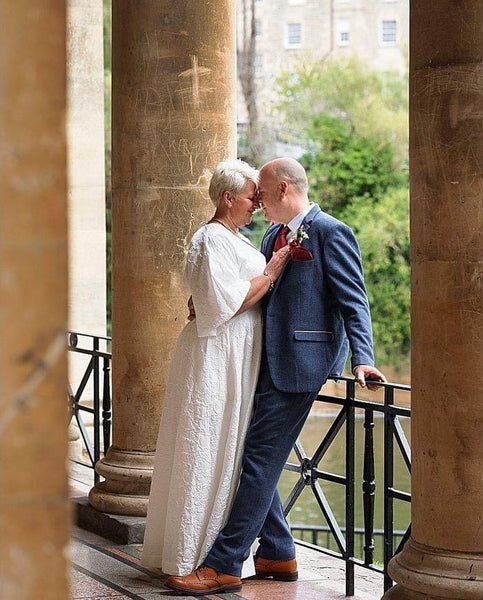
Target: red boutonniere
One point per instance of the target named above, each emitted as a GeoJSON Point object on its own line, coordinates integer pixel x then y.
{"type": "Point", "coordinates": [297, 252]}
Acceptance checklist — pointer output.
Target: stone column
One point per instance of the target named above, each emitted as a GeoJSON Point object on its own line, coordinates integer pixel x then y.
{"type": "Point", "coordinates": [86, 194]}
{"type": "Point", "coordinates": [34, 507]}
{"type": "Point", "coordinates": [444, 557]}
{"type": "Point", "coordinates": [173, 119]}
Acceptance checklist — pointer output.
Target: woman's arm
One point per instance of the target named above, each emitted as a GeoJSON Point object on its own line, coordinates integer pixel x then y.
{"type": "Point", "coordinates": [261, 284]}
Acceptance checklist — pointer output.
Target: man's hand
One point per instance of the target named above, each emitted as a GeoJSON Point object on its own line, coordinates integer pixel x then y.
{"type": "Point", "coordinates": [191, 308]}
{"type": "Point", "coordinates": [363, 372]}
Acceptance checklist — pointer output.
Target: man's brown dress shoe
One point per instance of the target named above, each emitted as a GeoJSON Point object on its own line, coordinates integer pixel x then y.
{"type": "Point", "coordinates": [204, 580]}
{"type": "Point", "coordinates": [281, 570]}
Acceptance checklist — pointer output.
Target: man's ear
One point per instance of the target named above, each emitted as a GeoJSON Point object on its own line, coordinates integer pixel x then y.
{"type": "Point", "coordinates": [283, 187]}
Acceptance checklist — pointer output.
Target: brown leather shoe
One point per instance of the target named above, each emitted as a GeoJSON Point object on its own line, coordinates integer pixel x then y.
{"type": "Point", "coordinates": [281, 570]}
{"type": "Point", "coordinates": [204, 580]}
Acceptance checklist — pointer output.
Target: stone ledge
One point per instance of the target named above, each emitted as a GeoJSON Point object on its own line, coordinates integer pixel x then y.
{"type": "Point", "coordinates": [117, 528]}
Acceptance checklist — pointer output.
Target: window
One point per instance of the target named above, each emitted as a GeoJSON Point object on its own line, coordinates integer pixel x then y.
{"type": "Point", "coordinates": [343, 32]}
{"type": "Point", "coordinates": [389, 33]}
{"type": "Point", "coordinates": [297, 2]}
{"type": "Point", "coordinates": [258, 29]}
{"type": "Point", "coordinates": [294, 35]}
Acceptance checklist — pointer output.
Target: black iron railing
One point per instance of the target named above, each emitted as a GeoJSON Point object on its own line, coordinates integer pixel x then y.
{"type": "Point", "coordinates": [311, 474]}
{"type": "Point", "coordinates": [92, 396]}
{"type": "Point", "coordinates": [321, 535]}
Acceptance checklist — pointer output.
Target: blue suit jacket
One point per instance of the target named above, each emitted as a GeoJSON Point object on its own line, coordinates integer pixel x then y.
{"type": "Point", "coordinates": [317, 308]}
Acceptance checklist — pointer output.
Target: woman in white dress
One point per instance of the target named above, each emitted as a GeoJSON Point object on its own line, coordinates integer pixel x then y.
{"type": "Point", "coordinates": [212, 379]}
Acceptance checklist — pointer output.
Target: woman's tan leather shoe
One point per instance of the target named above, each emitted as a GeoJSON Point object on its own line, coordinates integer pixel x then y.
{"type": "Point", "coordinates": [204, 580]}
{"type": "Point", "coordinates": [281, 570]}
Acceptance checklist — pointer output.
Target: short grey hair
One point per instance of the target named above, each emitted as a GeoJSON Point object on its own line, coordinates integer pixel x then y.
{"type": "Point", "coordinates": [230, 176]}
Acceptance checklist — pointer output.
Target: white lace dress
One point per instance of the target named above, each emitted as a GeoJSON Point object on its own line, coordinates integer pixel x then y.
{"type": "Point", "coordinates": [207, 408]}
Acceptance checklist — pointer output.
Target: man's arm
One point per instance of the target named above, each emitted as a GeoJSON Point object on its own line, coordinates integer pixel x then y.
{"type": "Point", "coordinates": [343, 269]}
{"type": "Point", "coordinates": [343, 265]}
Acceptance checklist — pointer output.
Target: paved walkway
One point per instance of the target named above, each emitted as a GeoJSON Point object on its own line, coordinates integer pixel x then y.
{"type": "Point", "coordinates": [103, 570]}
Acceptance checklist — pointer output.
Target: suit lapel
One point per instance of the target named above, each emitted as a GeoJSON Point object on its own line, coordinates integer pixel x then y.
{"type": "Point", "coordinates": [310, 216]}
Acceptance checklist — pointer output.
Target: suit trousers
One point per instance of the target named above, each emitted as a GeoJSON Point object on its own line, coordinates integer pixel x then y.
{"type": "Point", "coordinates": [277, 420]}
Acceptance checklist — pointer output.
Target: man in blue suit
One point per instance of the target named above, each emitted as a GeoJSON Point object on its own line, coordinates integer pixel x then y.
{"type": "Point", "coordinates": [318, 308]}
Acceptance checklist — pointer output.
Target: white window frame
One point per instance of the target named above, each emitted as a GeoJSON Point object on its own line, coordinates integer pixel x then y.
{"type": "Point", "coordinates": [292, 45]}
{"type": "Point", "coordinates": [389, 42]}
{"type": "Point", "coordinates": [343, 27]}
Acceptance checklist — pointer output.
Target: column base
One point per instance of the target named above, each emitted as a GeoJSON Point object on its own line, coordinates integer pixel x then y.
{"type": "Point", "coordinates": [400, 593]}
{"type": "Point", "coordinates": [75, 444]}
{"type": "Point", "coordinates": [125, 490]}
{"type": "Point", "coordinates": [425, 573]}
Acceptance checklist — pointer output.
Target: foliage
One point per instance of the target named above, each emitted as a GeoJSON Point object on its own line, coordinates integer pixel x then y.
{"type": "Point", "coordinates": [374, 103]}
{"type": "Point", "coordinates": [345, 166]}
{"type": "Point", "coordinates": [353, 123]}
{"type": "Point", "coordinates": [382, 230]}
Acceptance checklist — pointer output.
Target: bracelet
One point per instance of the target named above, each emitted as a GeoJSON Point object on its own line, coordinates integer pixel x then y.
{"type": "Point", "coordinates": [270, 279]}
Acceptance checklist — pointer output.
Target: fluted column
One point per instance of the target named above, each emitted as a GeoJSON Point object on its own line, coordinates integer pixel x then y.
{"type": "Point", "coordinates": [34, 506]}
{"type": "Point", "coordinates": [444, 557]}
{"type": "Point", "coordinates": [173, 119]}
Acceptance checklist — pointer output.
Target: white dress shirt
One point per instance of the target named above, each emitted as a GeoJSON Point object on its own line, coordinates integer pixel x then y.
{"type": "Point", "coordinates": [295, 223]}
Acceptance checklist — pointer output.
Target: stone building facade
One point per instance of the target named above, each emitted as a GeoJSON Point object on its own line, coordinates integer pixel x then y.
{"type": "Point", "coordinates": [288, 31]}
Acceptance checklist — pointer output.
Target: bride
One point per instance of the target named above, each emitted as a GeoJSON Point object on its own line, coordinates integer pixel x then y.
{"type": "Point", "coordinates": [212, 379]}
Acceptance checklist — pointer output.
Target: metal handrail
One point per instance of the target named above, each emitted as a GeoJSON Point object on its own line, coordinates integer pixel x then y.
{"type": "Point", "coordinates": [308, 468]}
{"type": "Point", "coordinates": [311, 475]}
{"type": "Point", "coordinates": [99, 396]}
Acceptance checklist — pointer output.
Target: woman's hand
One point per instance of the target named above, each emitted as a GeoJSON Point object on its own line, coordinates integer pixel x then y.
{"type": "Point", "coordinates": [278, 261]}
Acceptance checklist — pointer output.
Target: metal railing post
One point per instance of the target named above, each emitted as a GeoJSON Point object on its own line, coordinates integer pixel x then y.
{"type": "Point", "coordinates": [350, 487]}
{"type": "Point", "coordinates": [368, 486]}
{"type": "Point", "coordinates": [388, 484]}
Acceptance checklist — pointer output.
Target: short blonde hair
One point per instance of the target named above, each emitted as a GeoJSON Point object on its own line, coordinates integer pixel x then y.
{"type": "Point", "coordinates": [230, 176]}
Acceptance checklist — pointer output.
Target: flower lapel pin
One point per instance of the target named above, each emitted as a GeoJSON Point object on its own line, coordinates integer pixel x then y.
{"type": "Point", "coordinates": [297, 251]}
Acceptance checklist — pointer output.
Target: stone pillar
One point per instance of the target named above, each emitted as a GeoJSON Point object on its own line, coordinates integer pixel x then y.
{"type": "Point", "coordinates": [444, 557]}
{"type": "Point", "coordinates": [34, 507]}
{"type": "Point", "coordinates": [173, 119]}
{"type": "Point", "coordinates": [86, 180]}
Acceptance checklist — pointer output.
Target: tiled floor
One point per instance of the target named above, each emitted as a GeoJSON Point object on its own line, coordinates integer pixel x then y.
{"type": "Point", "coordinates": [102, 570]}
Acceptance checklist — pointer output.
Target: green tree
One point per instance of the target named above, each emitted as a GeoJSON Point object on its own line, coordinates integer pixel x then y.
{"type": "Point", "coordinates": [374, 103]}
{"type": "Point", "coordinates": [382, 230]}
{"type": "Point", "coordinates": [344, 166]}
{"type": "Point", "coordinates": [353, 123]}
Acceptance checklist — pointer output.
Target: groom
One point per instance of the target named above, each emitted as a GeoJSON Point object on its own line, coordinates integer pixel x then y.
{"type": "Point", "coordinates": [317, 309]}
